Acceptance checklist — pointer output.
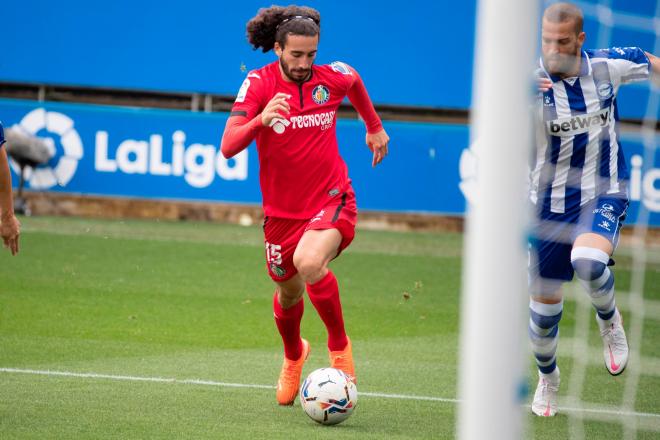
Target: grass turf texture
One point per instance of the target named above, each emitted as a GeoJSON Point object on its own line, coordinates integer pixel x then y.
{"type": "Point", "coordinates": [193, 301]}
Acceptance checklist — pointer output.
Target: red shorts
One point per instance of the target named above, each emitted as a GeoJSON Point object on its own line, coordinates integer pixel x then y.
{"type": "Point", "coordinates": [282, 234]}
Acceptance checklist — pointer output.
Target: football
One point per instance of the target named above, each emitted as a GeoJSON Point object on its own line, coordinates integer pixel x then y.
{"type": "Point", "coordinates": [328, 396]}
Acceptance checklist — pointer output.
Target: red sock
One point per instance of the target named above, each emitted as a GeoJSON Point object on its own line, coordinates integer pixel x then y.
{"type": "Point", "coordinates": [288, 324]}
{"type": "Point", "coordinates": [324, 295]}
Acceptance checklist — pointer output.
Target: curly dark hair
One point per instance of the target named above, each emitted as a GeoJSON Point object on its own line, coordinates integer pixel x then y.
{"type": "Point", "coordinates": [277, 22]}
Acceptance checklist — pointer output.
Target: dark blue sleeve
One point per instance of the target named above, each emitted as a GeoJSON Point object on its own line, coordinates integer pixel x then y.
{"type": "Point", "coordinates": [633, 54]}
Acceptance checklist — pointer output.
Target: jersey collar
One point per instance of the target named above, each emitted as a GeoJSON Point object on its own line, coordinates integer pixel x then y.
{"type": "Point", "coordinates": [585, 68]}
{"type": "Point", "coordinates": [276, 68]}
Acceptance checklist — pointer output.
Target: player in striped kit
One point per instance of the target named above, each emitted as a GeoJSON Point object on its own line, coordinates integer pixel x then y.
{"type": "Point", "coordinates": [578, 188]}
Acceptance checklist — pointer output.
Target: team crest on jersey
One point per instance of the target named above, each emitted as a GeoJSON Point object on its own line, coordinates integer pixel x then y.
{"type": "Point", "coordinates": [320, 94]}
{"type": "Point", "coordinates": [604, 90]}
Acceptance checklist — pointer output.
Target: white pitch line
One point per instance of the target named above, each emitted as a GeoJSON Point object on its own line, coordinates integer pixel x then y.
{"type": "Point", "coordinates": [404, 396]}
{"type": "Point", "coordinates": [271, 387]}
{"type": "Point", "coordinates": [134, 378]}
{"type": "Point", "coordinates": [199, 382]}
{"type": "Point", "coordinates": [608, 412]}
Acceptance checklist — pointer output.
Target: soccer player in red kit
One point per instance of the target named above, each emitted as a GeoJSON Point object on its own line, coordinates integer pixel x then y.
{"type": "Point", "coordinates": [290, 107]}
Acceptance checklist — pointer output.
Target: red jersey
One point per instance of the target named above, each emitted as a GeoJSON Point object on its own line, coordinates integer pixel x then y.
{"type": "Point", "coordinates": [300, 166]}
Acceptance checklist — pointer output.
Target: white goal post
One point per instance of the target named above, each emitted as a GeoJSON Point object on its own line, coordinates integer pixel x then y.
{"type": "Point", "coordinates": [493, 361]}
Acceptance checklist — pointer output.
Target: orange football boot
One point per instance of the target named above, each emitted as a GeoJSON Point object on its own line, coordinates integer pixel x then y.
{"type": "Point", "coordinates": [289, 380]}
{"type": "Point", "coordinates": [343, 360]}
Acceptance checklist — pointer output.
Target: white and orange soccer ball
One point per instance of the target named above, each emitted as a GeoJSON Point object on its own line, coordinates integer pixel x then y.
{"type": "Point", "coordinates": [328, 396]}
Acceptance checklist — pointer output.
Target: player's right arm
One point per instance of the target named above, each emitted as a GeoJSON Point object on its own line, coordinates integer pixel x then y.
{"type": "Point", "coordinates": [240, 130]}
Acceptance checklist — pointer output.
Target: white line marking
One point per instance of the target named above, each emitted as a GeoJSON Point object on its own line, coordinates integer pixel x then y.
{"type": "Point", "coordinates": [607, 411]}
{"type": "Point", "coordinates": [404, 396]}
{"type": "Point", "coordinates": [134, 378]}
{"type": "Point", "coordinates": [271, 387]}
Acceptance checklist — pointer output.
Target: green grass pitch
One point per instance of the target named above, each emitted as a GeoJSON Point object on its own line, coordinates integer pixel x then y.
{"type": "Point", "coordinates": [136, 300]}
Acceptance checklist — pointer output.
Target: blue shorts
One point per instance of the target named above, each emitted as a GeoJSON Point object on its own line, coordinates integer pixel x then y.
{"type": "Point", "coordinates": [552, 238]}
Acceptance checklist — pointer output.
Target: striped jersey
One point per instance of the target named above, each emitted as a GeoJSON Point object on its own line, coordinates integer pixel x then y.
{"type": "Point", "coordinates": [578, 154]}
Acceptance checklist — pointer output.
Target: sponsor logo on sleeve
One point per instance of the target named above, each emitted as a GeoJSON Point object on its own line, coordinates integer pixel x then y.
{"type": "Point", "coordinates": [340, 67]}
{"type": "Point", "coordinates": [242, 92]}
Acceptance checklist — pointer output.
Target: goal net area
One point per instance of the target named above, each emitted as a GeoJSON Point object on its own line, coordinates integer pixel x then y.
{"type": "Point", "coordinates": [560, 314]}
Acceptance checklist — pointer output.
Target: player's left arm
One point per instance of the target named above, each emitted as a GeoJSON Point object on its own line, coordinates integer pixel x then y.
{"type": "Point", "coordinates": [9, 225]}
{"type": "Point", "coordinates": [377, 138]}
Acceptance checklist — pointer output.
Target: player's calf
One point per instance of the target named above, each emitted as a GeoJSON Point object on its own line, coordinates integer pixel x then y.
{"type": "Point", "coordinates": [543, 332]}
{"type": "Point", "coordinates": [598, 280]}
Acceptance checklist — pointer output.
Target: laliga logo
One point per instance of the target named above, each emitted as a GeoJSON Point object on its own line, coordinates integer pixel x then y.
{"type": "Point", "coordinates": [61, 170]}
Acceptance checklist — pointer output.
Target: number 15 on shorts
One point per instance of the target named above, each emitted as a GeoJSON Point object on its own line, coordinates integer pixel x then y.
{"type": "Point", "coordinates": [273, 254]}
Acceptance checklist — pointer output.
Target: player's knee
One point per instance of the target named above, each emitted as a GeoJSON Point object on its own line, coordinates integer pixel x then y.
{"type": "Point", "coordinates": [310, 266]}
{"type": "Point", "coordinates": [589, 263]}
{"type": "Point", "coordinates": [546, 290]}
{"type": "Point", "coordinates": [289, 298]}
{"type": "Point", "coordinates": [289, 292]}
{"type": "Point", "coordinates": [588, 270]}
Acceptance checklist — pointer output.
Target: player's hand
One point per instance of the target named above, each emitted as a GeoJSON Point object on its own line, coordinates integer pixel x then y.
{"type": "Point", "coordinates": [544, 84]}
{"type": "Point", "coordinates": [377, 143]}
{"type": "Point", "coordinates": [276, 108]}
{"type": "Point", "coordinates": [10, 229]}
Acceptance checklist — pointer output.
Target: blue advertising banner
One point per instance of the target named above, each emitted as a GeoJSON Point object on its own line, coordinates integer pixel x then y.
{"type": "Point", "coordinates": [201, 46]}
{"type": "Point", "coordinates": [171, 154]}
{"type": "Point", "coordinates": [417, 53]}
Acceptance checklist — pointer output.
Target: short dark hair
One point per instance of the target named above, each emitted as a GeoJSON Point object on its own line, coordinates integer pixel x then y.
{"type": "Point", "coordinates": [277, 22]}
{"type": "Point", "coordinates": [563, 12]}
